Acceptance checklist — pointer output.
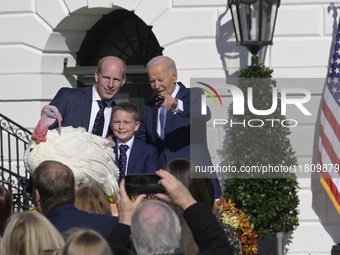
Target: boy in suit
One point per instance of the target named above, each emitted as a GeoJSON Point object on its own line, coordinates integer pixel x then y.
{"type": "Point", "coordinates": [135, 156]}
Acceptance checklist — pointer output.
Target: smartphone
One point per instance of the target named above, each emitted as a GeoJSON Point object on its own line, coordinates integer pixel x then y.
{"type": "Point", "coordinates": [136, 184]}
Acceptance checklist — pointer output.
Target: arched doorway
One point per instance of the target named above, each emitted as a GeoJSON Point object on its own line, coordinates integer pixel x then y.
{"type": "Point", "coordinates": [123, 34]}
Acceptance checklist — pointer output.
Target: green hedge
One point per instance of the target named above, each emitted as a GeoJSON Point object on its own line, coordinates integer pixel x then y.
{"type": "Point", "coordinates": [272, 202]}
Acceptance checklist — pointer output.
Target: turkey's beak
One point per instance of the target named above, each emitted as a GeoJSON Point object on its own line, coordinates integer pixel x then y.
{"type": "Point", "coordinates": [59, 118]}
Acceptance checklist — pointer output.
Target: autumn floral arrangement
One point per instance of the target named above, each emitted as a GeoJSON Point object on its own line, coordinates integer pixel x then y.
{"type": "Point", "coordinates": [227, 213]}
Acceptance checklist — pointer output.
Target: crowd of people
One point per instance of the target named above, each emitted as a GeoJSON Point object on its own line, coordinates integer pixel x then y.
{"type": "Point", "coordinates": [58, 227]}
{"type": "Point", "coordinates": [179, 221]}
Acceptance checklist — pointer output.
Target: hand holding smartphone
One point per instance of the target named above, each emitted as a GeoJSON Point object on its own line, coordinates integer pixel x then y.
{"type": "Point", "coordinates": [136, 184]}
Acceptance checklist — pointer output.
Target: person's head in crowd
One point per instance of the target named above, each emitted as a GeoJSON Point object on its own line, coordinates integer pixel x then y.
{"type": "Point", "coordinates": [54, 185]}
{"type": "Point", "coordinates": [124, 121]}
{"type": "Point", "coordinates": [86, 242]}
{"type": "Point", "coordinates": [28, 233]}
{"type": "Point", "coordinates": [181, 169]}
{"type": "Point", "coordinates": [155, 229]}
{"type": "Point", "coordinates": [162, 74]}
{"type": "Point", "coordinates": [91, 198]}
{"type": "Point", "coordinates": [110, 77]}
{"type": "Point", "coordinates": [6, 207]}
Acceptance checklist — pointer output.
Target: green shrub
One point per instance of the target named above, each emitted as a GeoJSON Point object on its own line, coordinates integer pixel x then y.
{"type": "Point", "coordinates": [272, 202]}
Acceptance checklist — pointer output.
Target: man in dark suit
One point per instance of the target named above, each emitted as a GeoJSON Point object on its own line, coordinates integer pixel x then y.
{"type": "Point", "coordinates": [54, 196]}
{"type": "Point", "coordinates": [172, 120]}
{"type": "Point", "coordinates": [79, 106]}
{"type": "Point", "coordinates": [140, 156]}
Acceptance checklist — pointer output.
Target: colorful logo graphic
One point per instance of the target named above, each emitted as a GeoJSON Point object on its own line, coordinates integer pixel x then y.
{"type": "Point", "coordinates": [208, 92]}
{"type": "Point", "coordinates": [245, 100]}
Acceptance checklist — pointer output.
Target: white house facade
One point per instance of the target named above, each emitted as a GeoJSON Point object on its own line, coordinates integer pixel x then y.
{"type": "Point", "coordinates": [41, 39]}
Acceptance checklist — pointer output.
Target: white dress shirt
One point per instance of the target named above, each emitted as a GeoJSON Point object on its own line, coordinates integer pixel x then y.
{"type": "Point", "coordinates": [95, 109]}
{"type": "Point", "coordinates": [128, 143]}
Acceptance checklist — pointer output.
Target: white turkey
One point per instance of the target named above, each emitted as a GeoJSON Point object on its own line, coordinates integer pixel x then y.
{"type": "Point", "coordinates": [88, 155]}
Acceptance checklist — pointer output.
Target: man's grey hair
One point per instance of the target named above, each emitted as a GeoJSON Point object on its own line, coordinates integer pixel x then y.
{"type": "Point", "coordinates": [155, 229]}
{"type": "Point", "coordinates": [159, 60]}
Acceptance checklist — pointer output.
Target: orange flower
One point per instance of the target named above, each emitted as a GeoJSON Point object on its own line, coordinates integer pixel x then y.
{"type": "Point", "coordinates": [112, 200]}
{"type": "Point", "coordinates": [244, 228]}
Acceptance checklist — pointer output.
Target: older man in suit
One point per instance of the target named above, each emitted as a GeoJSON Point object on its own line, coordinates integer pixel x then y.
{"type": "Point", "coordinates": [172, 120]}
{"type": "Point", "coordinates": [79, 106]}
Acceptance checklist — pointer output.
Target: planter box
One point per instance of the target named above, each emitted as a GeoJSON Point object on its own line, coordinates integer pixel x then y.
{"type": "Point", "coordinates": [271, 244]}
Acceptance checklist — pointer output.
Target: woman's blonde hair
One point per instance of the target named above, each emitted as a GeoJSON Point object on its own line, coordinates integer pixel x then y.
{"type": "Point", "coordinates": [86, 242]}
{"type": "Point", "coordinates": [92, 199]}
{"type": "Point", "coordinates": [28, 233]}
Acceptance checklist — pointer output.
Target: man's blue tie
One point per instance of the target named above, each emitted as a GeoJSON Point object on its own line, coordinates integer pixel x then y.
{"type": "Point", "coordinates": [122, 161]}
{"type": "Point", "coordinates": [99, 121]}
{"type": "Point", "coordinates": [162, 120]}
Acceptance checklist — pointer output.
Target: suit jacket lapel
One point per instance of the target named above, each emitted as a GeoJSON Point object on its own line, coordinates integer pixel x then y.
{"type": "Point", "coordinates": [170, 115]}
{"type": "Point", "coordinates": [181, 90]}
{"type": "Point", "coordinates": [86, 106]}
{"type": "Point", "coordinates": [109, 131]}
{"type": "Point", "coordinates": [134, 155]}
{"type": "Point", "coordinates": [115, 150]}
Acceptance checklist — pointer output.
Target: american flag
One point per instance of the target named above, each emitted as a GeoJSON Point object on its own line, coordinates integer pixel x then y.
{"type": "Point", "coordinates": [329, 139]}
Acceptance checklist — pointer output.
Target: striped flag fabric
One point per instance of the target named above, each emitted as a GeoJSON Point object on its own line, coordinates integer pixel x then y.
{"type": "Point", "coordinates": [329, 138]}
